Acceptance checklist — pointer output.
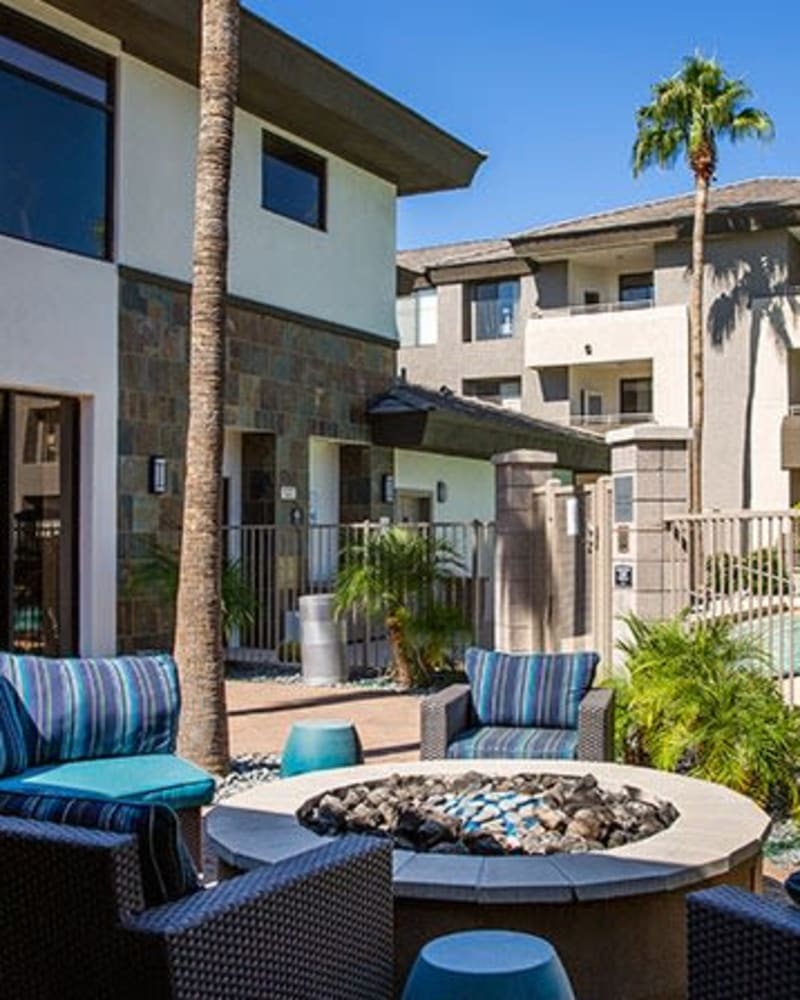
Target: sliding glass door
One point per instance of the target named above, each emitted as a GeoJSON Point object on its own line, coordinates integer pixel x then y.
{"type": "Point", "coordinates": [38, 523]}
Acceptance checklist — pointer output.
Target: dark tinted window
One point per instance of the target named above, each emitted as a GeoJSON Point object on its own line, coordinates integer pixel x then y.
{"type": "Point", "coordinates": [293, 182]}
{"type": "Point", "coordinates": [636, 287]}
{"type": "Point", "coordinates": [55, 123]}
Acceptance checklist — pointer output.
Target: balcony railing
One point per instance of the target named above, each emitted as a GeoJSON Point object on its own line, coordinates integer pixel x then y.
{"type": "Point", "coordinates": [584, 309]}
{"type": "Point", "coordinates": [607, 421]}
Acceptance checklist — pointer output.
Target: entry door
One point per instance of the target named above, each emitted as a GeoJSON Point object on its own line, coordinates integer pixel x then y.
{"type": "Point", "coordinates": [413, 508]}
{"type": "Point", "coordinates": [38, 523]}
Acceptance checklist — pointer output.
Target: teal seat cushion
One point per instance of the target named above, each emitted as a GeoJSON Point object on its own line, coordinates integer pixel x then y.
{"type": "Point", "coordinates": [152, 777]}
{"type": "Point", "coordinates": [516, 742]}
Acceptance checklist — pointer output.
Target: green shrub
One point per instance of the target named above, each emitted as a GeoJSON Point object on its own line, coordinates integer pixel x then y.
{"type": "Point", "coordinates": [760, 572]}
{"type": "Point", "coordinates": [698, 700]}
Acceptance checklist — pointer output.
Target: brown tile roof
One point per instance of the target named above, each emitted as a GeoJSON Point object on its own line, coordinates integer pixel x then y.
{"type": "Point", "coordinates": [455, 254]}
{"type": "Point", "coordinates": [758, 193]}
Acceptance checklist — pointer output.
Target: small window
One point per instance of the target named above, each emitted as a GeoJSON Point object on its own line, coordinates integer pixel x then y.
{"type": "Point", "coordinates": [493, 308]}
{"type": "Point", "coordinates": [636, 287]}
{"type": "Point", "coordinates": [636, 396]}
{"type": "Point", "coordinates": [501, 391]}
{"type": "Point", "coordinates": [293, 182]}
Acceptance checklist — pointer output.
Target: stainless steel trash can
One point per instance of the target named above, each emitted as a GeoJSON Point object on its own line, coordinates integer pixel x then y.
{"type": "Point", "coordinates": [321, 641]}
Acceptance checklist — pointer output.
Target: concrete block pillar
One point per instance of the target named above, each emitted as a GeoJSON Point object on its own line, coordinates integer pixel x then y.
{"type": "Point", "coordinates": [521, 580]}
{"type": "Point", "coordinates": [650, 470]}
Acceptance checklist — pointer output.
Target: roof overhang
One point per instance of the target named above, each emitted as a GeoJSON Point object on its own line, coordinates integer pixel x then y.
{"type": "Point", "coordinates": [420, 425]}
{"type": "Point", "coordinates": [744, 219]}
{"type": "Point", "coordinates": [294, 87]}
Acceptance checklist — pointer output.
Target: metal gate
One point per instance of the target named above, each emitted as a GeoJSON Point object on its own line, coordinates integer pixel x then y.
{"type": "Point", "coordinates": [573, 565]}
{"type": "Point", "coordinates": [743, 567]}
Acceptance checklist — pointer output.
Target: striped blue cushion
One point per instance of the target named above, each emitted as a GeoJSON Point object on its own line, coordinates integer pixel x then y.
{"type": "Point", "coordinates": [167, 869]}
{"type": "Point", "coordinates": [83, 708]}
{"type": "Point", "coordinates": [515, 742]}
{"type": "Point", "coordinates": [13, 751]}
{"type": "Point", "coordinates": [528, 689]}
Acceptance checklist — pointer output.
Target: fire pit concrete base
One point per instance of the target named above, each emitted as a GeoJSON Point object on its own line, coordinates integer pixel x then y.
{"type": "Point", "coordinates": [616, 917]}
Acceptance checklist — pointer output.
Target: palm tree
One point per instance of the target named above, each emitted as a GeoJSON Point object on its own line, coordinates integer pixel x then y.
{"type": "Point", "coordinates": [198, 629]}
{"type": "Point", "coordinates": [688, 114]}
{"type": "Point", "coordinates": [393, 573]}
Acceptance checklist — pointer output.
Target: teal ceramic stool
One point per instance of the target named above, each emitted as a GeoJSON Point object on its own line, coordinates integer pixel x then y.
{"type": "Point", "coordinates": [318, 744]}
{"type": "Point", "coordinates": [488, 965]}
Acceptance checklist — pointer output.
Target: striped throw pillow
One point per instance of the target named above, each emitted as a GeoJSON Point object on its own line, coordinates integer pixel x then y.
{"type": "Point", "coordinates": [13, 751]}
{"type": "Point", "coordinates": [168, 872]}
{"type": "Point", "coordinates": [73, 709]}
{"type": "Point", "coordinates": [528, 689]}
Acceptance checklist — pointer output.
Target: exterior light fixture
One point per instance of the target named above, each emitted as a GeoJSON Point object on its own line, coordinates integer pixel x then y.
{"type": "Point", "coordinates": [387, 488]}
{"type": "Point", "coordinates": [441, 491]}
{"type": "Point", "coordinates": [157, 474]}
{"type": "Point", "coordinates": [587, 348]}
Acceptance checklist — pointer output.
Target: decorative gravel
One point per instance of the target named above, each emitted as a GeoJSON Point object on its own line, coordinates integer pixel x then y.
{"type": "Point", "coordinates": [248, 770]}
{"type": "Point", "coordinates": [783, 844]}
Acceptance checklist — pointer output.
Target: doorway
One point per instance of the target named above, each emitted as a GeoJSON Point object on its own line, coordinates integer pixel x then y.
{"type": "Point", "coordinates": [413, 506]}
{"type": "Point", "coordinates": [38, 523]}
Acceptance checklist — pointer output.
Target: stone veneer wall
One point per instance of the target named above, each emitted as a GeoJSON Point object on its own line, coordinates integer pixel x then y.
{"type": "Point", "coordinates": [290, 377]}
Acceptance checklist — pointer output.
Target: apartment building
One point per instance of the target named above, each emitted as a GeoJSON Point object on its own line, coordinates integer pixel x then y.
{"type": "Point", "coordinates": [98, 105]}
{"type": "Point", "coordinates": [585, 323]}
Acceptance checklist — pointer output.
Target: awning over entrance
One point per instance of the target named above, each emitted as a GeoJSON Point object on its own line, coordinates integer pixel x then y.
{"type": "Point", "coordinates": [421, 419]}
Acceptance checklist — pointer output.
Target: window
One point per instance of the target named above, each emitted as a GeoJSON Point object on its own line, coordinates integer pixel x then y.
{"type": "Point", "coordinates": [293, 182]}
{"type": "Point", "coordinates": [636, 287]}
{"type": "Point", "coordinates": [493, 307]}
{"type": "Point", "coordinates": [418, 318]}
{"type": "Point", "coordinates": [502, 391]}
{"type": "Point", "coordinates": [56, 107]}
{"type": "Point", "coordinates": [636, 395]}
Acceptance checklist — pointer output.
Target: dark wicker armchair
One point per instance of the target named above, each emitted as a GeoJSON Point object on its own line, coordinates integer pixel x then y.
{"type": "Point", "coordinates": [522, 705]}
{"type": "Point", "coordinates": [73, 923]}
{"type": "Point", "coordinates": [742, 946]}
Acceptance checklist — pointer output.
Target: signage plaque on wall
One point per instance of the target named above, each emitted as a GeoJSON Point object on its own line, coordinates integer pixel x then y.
{"type": "Point", "coordinates": [623, 575]}
{"type": "Point", "coordinates": [288, 492]}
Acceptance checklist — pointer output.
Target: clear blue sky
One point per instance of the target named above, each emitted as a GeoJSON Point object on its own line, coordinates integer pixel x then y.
{"type": "Point", "coordinates": [548, 90]}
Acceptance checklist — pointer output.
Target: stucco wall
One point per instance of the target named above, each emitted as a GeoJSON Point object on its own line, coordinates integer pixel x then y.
{"type": "Point", "coordinates": [344, 274]}
{"type": "Point", "coordinates": [470, 483]}
{"type": "Point", "coordinates": [745, 365]}
{"type": "Point", "coordinates": [58, 316]}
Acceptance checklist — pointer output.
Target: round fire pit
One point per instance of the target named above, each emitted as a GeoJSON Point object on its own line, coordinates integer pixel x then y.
{"type": "Point", "coordinates": [615, 915]}
{"type": "Point", "coordinates": [485, 814]}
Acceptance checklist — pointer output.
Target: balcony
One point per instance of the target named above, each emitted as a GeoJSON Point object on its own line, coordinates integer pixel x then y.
{"type": "Point", "coordinates": [602, 422]}
{"type": "Point", "coordinates": [608, 332]}
{"type": "Point", "coordinates": [587, 309]}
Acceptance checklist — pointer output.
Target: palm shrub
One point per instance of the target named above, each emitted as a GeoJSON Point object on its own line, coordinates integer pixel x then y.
{"type": "Point", "coordinates": [697, 699]}
{"type": "Point", "coordinates": [157, 575]}
{"type": "Point", "coordinates": [393, 574]}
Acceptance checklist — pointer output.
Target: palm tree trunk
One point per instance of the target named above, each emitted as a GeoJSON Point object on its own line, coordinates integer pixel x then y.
{"type": "Point", "coordinates": [401, 668]}
{"type": "Point", "coordinates": [198, 630]}
{"type": "Point", "coordinates": [696, 341]}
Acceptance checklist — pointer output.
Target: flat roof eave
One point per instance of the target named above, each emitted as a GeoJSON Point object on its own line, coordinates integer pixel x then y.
{"type": "Point", "coordinates": [296, 88]}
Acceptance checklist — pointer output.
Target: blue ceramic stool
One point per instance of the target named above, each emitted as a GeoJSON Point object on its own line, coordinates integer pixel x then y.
{"type": "Point", "coordinates": [318, 744]}
{"type": "Point", "coordinates": [488, 965]}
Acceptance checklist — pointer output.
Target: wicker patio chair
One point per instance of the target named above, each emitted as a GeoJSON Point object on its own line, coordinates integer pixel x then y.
{"type": "Point", "coordinates": [742, 946]}
{"type": "Point", "coordinates": [73, 923]}
{"type": "Point", "coordinates": [449, 725]}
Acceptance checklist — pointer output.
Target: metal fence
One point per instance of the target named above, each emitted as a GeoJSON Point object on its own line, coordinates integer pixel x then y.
{"type": "Point", "coordinates": [744, 567]}
{"type": "Point", "coordinates": [280, 565]}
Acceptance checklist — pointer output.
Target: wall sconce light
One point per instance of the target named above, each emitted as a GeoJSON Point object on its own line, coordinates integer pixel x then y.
{"type": "Point", "coordinates": [587, 348]}
{"type": "Point", "coordinates": [387, 488]}
{"type": "Point", "coordinates": [441, 491]}
{"type": "Point", "coordinates": [157, 474]}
